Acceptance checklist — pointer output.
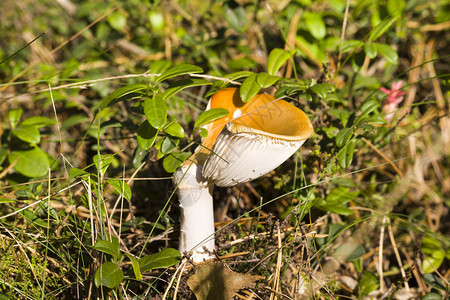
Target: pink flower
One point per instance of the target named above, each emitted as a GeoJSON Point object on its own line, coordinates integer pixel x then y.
{"type": "Point", "coordinates": [394, 98]}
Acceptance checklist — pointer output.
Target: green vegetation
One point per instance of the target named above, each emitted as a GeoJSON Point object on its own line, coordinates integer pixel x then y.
{"type": "Point", "coordinates": [101, 101]}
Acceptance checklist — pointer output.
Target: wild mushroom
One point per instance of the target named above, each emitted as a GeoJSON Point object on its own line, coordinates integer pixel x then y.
{"type": "Point", "coordinates": [255, 138]}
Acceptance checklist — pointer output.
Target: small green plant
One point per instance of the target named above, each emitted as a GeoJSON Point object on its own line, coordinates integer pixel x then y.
{"type": "Point", "coordinates": [110, 275]}
{"type": "Point", "coordinates": [21, 145]}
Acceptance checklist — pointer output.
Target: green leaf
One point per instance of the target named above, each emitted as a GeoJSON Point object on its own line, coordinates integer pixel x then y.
{"type": "Point", "coordinates": [174, 129]}
{"type": "Point", "coordinates": [27, 133]}
{"type": "Point", "coordinates": [341, 195]}
{"type": "Point", "coordinates": [123, 93]}
{"type": "Point", "coordinates": [368, 283]}
{"type": "Point", "coordinates": [434, 281]}
{"type": "Point", "coordinates": [334, 231]}
{"type": "Point", "coordinates": [236, 17]}
{"type": "Point", "coordinates": [33, 218]}
{"type": "Point", "coordinates": [387, 52]}
{"type": "Point", "coordinates": [433, 262]}
{"type": "Point", "coordinates": [117, 20]}
{"type": "Point", "coordinates": [179, 70]}
{"type": "Point", "coordinates": [369, 106]}
{"type": "Point", "coordinates": [139, 156]}
{"type": "Point", "coordinates": [395, 7]}
{"type": "Point", "coordinates": [112, 248]}
{"type": "Point", "coordinates": [121, 187]}
{"type": "Point", "coordinates": [102, 162]}
{"type": "Point", "coordinates": [315, 25]}
{"type": "Point", "coordinates": [39, 121]}
{"type": "Point", "coordinates": [155, 110]}
{"type": "Point", "coordinates": [163, 259]}
{"type": "Point", "coordinates": [265, 80]}
{"type": "Point", "coordinates": [322, 89]}
{"type": "Point", "coordinates": [14, 116]}
{"type": "Point", "coordinates": [345, 155]}
{"type": "Point", "coordinates": [351, 45]}
{"type": "Point", "coordinates": [430, 245]}
{"type": "Point", "coordinates": [156, 20]}
{"type": "Point", "coordinates": [343, 136]}
{"type": "Point", "coordinates": [75, 172]}
{"type": "Point", "coordinates": [358, 61]}
{"type": "Point", "coordinates": [238, 75]}
{"type": "Point", "coordinates": [244, 62]}
{"type": "Point", "coordinates": [349, 252]}
{"type": "Point", "coordinates": [159, 66]}
{"type": "Point", "coordinates": [146, 135]}
{"type": "Point", "coordinates": [6, 200]}
{"type": "Point", "coordinates": [210, 115]}
{"type": "Point", "coordinates": [3, 154]}
{"type": "Point", "coordinates": [376, 119]}
{"type": "Point", "coordinates": [331, 132]}
{"type": "Point", "coordinates": [31, 163]}
{"type": "Point", "coordinates": [337, 209]}
{"type": "Point", "coordinates": [203, 132]}
{"type": "Point", "coordinates": [381, 28]}
{"type": "Point", "coordinates": [249, 88]}
{"type": "Point", "coordinates": [169, 144]}
{"type": "Point", "coordinates": [432, 296]}
{"type": "Point", "coordinates": [109, 275]}
{"type": "Point", "coordinates": [370, 50]}
{"type": "Point", "coordinates": [72, 121]}
{"type": "Point", "coordinates": [336, 201]}
{"type": "Point", "coordinates": [341, 114]}
{"type": "Point", "coordinates": [183, 84]}
{"type": "Point", "coordinates": [3, 297]}
{"type": "Point", "coordinates": [136, 268]}
{"type": "Point", "coordinates": [277, 58]}
{"type": "Point", "coordinates": [174, 160]}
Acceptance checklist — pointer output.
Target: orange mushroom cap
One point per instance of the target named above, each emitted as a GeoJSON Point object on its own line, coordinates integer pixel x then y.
{"type": "Point", "coordinates": [253, 139]}
{"type": "Point", "coordinates": [263, 113]}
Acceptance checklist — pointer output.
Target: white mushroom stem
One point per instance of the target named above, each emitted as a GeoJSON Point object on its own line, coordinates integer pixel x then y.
{"type": "Point", "coordinates": [197, 214]}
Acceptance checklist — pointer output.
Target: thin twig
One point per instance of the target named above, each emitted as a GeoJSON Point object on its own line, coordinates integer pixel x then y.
{"type": "Point", "coordinates": [215, 78]}
{"type": "Point", "coordinates": [344, 28]}
{"type": "Point", "coordinates": [276, 281]}
{"type": "Point", "coordinates": [384, 156]}
{"type": "Point", "coordinates": [6, 170]}
{"type": "Point", "coordinates": [179, 269]}
{"type": "Point", "coordinates": [397, 255]}
{"type": "Point", "coordinates": [179, 281]}
{"type": "Point", "coordinates": [86, 83]}
{"type": "Point", "coordinates": [380, 256]}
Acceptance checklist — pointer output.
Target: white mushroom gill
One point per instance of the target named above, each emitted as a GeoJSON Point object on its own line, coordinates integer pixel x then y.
{"type": "Point", "coordinates": [241, 154]}
{"type": "Point", "coordinates": [255, 138]}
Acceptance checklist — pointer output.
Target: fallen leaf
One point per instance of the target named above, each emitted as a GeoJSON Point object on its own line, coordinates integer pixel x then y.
{"type": "Point", "coordinates": [214, 281]}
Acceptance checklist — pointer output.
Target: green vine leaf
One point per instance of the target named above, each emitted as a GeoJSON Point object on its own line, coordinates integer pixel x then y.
{"type": "Point", "coordinates": [210, 115]}
{"type": "Point", "coordinates": [163, 259]}
{"type": "Point", "coordinates": [277, 58]}
{"type": "Point", "coordinates": [109, 275]}
{"type": "Point", "coordinates": [123, 93]}
{"type": "Point", "coordinates": [249, 88]}
{"type": "Point", "coordinates": [146, 135]}
{"type": "Point", "coordinates": [155, 110]}
{"type": "Point", "coordinates": [121, 187]}
{"type": "Point", "coordinates": [31, 163]}
{"type": "Point", "coordinates": [179, 70]}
